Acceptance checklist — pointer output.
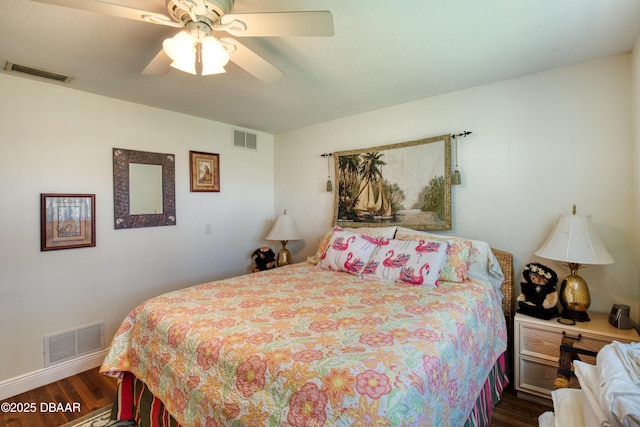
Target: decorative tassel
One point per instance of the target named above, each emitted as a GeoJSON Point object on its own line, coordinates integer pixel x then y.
{"type": "Point", "coordinates": [456, 179]}
{"type": "Point", "coordinates": [329, 183]}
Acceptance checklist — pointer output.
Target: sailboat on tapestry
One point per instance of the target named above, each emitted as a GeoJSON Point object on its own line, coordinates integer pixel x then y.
{"type": "Point", "coordinates": [373, 200]}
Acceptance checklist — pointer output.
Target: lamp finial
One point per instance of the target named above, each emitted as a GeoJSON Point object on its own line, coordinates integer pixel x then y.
{"type": "Point", "coordinates": [574, 209]}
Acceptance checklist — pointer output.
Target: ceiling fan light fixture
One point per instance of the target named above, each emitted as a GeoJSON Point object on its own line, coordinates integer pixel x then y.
{"type": "Point", "coordinates": [181, 48]}
{"type": "Point", "coordinates": [214, 56]}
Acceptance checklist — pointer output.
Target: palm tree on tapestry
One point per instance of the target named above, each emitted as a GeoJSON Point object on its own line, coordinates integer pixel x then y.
{"type": "Point", "coordinates": [348, 185]}
{"type": "Point", "coordinates": [372, 198]}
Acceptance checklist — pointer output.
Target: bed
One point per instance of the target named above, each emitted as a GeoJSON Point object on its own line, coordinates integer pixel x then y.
{"type": "Point", "coordinates": [310, 344]}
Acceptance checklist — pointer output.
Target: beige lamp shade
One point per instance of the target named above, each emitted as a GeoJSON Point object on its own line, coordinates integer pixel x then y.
{"type": "Point", "coordinates": [574, 240]}
{"type": "Point", "coordinates": [284, 229]}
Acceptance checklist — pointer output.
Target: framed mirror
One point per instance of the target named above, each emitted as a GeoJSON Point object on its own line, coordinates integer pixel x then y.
{"type": "Point", "coordinates": [143, 189]}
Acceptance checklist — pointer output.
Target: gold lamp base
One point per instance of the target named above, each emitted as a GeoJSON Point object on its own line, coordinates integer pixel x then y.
{"type": "Point", "coordinates": [284, 256]}
{"type": "Point", "coordinates": [574, 296]}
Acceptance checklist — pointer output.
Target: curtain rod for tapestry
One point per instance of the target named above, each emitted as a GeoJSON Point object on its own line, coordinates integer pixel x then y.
{"type": "Point", "coordinates": [465, 133]}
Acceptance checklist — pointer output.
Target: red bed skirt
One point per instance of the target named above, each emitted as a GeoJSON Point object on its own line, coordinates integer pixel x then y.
{"type": "Point", "coordinates": [135, 402]}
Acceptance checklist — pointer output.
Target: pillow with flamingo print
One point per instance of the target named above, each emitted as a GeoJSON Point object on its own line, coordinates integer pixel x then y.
{"type": "Point", "coordinates": [457, 263]}
{"type": "Point", "coordinates": [416, 262]}
{"type": "Point", "coordinates": [347, 251]}
{"type": "Point", "coordinates": [377, 232]}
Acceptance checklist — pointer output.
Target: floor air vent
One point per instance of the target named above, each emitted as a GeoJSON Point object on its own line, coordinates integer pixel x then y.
{"type": "Point", "coordinates": [37, 72]}
{"type": "Point", "coordinates": [245, 140]}
{"type": "Point", "coordinates": [67, 345]}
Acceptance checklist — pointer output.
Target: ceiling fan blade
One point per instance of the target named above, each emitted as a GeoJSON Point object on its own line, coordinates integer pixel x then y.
{"type": "Point", "coordinates": [160, 64]}
{"type": "Point", "coordinates": [112, 9]}
{"type": "Point", "coordinates": [282, 24]}
{"type": "Point", "coordinates": [252, 63]}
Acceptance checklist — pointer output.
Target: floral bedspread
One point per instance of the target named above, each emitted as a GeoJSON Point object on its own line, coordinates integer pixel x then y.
{"type": "Point", "coordinates": [303, 346]}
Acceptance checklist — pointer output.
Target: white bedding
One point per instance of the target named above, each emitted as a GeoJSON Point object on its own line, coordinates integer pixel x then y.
{"type": "Point", "coordinates": [610, 391]}
{"type": "Point", "coordinates": [619, 383]}
{"type": "Point", "coordinates": [587, 375]}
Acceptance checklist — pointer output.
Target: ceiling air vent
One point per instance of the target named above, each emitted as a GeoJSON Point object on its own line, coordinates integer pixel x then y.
{"type": "Point", "coordinates": [37, 72]}
{"type": "Point", "coordinates": [245, 140]}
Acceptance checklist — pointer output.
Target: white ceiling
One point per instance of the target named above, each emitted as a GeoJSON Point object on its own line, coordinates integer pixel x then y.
{"type": "Point", "coordinates": [383, 53]}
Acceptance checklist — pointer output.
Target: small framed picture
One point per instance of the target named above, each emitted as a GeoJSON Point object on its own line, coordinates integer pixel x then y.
{"type": "Point", "coordinates": [205, 171]}
{"type": "Point", "coordinates": [67, 221]}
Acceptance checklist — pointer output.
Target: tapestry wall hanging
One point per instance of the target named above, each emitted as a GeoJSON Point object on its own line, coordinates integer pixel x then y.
{"type": "Point", "coordinates": [406, 184]}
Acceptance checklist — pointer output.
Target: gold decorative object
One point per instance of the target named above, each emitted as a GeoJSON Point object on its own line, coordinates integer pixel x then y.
{"type": "Point", "coordinates": [284, 256]}
{"type": "Point", "coordinates": [575, 242]}
{"type": "Point", "coordinates": [574, 295]}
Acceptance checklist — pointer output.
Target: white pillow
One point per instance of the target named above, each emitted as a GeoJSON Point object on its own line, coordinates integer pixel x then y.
{"type": "Point", "coordinates": [417, 262]}
{"type": "Point", "coordinates": [347, 251]}
{"type": "Point", "coordinates": [484, 265]}
{"type": "Point", "coordinates": [567, 404]}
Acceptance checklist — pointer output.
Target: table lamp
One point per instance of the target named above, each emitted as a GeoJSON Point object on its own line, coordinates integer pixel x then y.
{"type": "Point", "coordinates": [284, 230]}
{"type": "Point", "coordinates": [574, 241]}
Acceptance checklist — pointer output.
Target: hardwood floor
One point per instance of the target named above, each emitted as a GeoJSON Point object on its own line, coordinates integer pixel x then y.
{"type": "Point", "coordinates": [60, 402]}
{"type": "Point", "coordinates": [92, 390]}
{"type": "Point", "coordinates": [514, 412]}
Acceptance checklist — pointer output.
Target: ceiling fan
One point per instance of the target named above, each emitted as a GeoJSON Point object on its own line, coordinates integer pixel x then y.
{"type": "Point", "coordinates": [195, 50]}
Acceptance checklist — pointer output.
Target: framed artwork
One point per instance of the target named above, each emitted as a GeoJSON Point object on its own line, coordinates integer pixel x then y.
{"type": "Point", "coordinates": [67, 221]}
{"type": "Point", "coordinates": [205, 171]}
{"type": "Point", "coordinates": [406, 184]}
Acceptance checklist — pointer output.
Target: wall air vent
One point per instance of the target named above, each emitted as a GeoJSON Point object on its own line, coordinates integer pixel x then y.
{"type": "Point", "coordinates": [245, 140]}
{"type": "Point", "coordinates": [67, 345]}
{"type": "Point", "coordinates": [37, 72]}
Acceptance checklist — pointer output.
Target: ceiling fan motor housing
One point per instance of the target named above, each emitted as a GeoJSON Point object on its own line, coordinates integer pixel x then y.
{"type": "Point", "coordinates": [216, 9]}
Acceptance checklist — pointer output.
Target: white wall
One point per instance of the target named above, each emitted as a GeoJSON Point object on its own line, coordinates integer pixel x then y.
{"type": "Point", "coordinates": [58, 140]}
{"type": "Point", "coordinates": [635, 109]}
{"type": "Point", "coordinates": [540, 144]}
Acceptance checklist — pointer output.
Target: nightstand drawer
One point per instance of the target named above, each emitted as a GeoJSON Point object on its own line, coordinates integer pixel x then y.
{"type": "Point", "coordinates": [537, 376]}
{"type": "Point", "coordinates": [545, 343]}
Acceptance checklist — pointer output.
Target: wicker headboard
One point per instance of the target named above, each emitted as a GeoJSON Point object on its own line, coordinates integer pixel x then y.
{"type": "Point", "coordinates": [505, 259]}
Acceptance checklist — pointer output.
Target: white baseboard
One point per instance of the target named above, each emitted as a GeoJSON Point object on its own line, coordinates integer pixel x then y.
{"type": "Point", "coordinates": [35, 379]}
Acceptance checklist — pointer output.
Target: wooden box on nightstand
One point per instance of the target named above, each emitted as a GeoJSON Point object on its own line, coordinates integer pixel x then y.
{"type": "Point", "coordinates": [537, 349]}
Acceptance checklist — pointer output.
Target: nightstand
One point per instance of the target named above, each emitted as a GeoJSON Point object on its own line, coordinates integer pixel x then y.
{"type": "Point", "coordinates": [537, 349]}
